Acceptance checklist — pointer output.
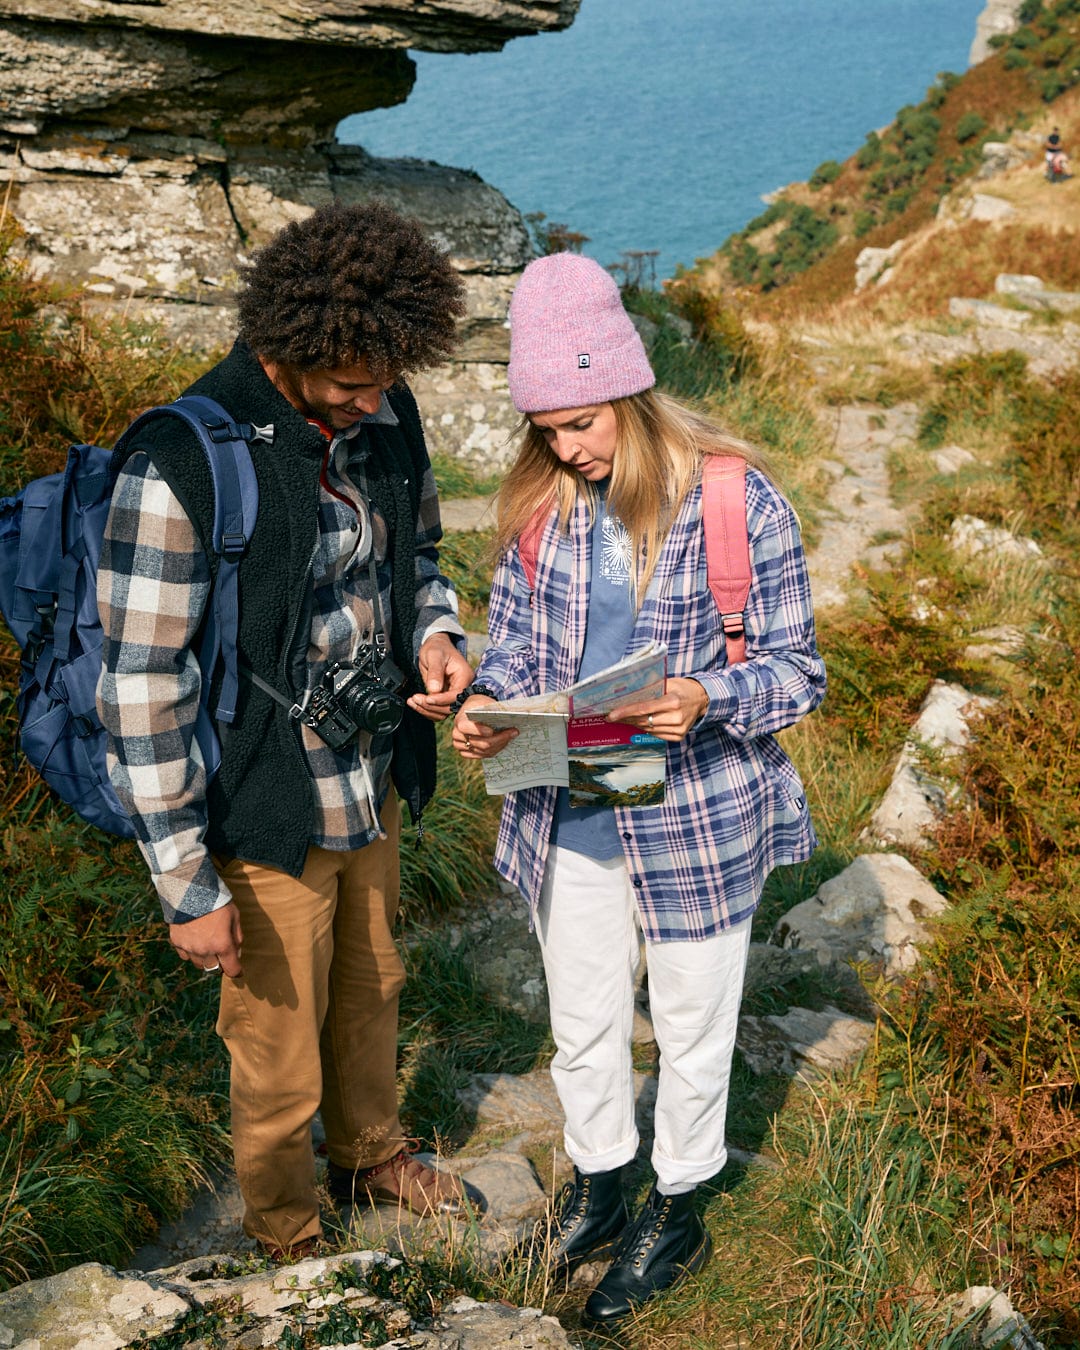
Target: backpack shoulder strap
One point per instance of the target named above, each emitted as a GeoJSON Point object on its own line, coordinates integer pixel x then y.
{"type": "Point", "coordinates": [727, 546]}
{"type": "Point", "coordinates": [225, 444]}
{"type": "Point", "coordinates": [529, 546]}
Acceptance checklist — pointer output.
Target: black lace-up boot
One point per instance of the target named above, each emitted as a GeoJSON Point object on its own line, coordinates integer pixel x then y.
{"type": "Point", "coordinates": [664, 1244]}
{"type": "Point", "coordinates": [587, 1216]}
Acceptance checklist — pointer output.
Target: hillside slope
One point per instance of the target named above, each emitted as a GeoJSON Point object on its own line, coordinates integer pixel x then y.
{"type": "Point", "coordinates": [980, 133]}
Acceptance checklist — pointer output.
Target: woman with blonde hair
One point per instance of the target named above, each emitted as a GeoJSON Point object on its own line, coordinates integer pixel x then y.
{"type": "Point", "coordinates": [611, 470]}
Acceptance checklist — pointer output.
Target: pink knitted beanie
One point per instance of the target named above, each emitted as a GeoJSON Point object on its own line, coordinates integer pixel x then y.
{"type": "Point", "coordinates": [571, 341]}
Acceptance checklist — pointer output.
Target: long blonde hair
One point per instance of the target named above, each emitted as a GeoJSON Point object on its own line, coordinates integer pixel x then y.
{"type": "Point", "coordinates": [658, 452]}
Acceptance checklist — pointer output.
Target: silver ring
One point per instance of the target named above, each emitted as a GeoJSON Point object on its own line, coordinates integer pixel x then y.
{"type": "Point", "coordinates": [209, 970]}
{"type": "Point", "coordinates": [468, 743]}
{"type": "Point", "coordinates": [650, 721]}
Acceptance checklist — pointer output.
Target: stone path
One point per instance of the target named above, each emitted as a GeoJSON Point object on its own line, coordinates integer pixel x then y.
{"type": "Point", "coordinates": [862, 524]}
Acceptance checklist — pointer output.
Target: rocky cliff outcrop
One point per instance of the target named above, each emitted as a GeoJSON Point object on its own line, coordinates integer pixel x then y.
{"type": "Point", "coordinates": [147, 148]}
{"type": "Point", "coordinates": [434, 25]}
{"type": "Point", "coordinates": [999, 16]}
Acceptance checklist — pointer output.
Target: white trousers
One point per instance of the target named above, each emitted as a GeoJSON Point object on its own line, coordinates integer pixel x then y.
{"type": "Point", "coordinates": [587, 926]}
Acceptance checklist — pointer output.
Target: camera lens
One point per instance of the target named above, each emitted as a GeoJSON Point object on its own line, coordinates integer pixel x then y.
{"type": "Point", "coordinates": [375, 709]}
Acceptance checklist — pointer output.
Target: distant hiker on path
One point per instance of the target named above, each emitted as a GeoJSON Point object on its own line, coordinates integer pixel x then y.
{"type": "Point", "coordinates": [282, 873]}
{"type": "Point", "coordinates": [612, 469]}
{"type": "Point", "coordinates": [1057, 162]}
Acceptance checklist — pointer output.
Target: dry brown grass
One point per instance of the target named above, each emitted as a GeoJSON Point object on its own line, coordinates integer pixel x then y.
{"type": "Point", "coordinates": [965, 261]}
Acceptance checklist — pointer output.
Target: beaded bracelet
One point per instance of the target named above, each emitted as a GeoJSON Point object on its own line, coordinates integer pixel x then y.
{"type": "Point", "coordinates": [468, 692]}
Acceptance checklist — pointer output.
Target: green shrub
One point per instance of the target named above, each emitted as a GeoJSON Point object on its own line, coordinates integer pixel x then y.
{"type": "Point", "coordinates": [869, 152]}
{"type": "Point", "coordinates": [909, 151]}
{"type": "Point", "coordinates": [1015, 59]}
{"type": "Point", "coordinates": [1052, 86]}
{"type": "Point", "coordinates": [826, 172]}
{"type": "Point", "coordinates": [1029, 10]}
{"type": "Point", "coordinates": [899, 202]}
{"type": "Point", "coordinates": [465, 557]}
{"type": "Point", "coordinates": [456, 479]}
{"type": "Point", "coordinates": [804, 238]}
{"type": "Point", "coordinates": [969, 126]}
{"type": "Point", "coordinates": [695, 370]}
{"type": "Point", "coordinates": [743, 261]}
{"type": "Point", "coordinates": [1025, 37]}
{"type": "Point", "coordinates": [864, 223]}
{"type": "Point", "coordinates": [882, 666]}
{"type": "Point", "coordinates": [917, 124]}
{"type": "Point", "coordinates": [1053, 51]}
{"type": "Point", "coordinates": [951, 171]}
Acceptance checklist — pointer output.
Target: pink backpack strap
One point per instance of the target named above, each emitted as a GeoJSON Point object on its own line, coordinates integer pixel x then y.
{"type": "Point", "coordinates": [727, 547]}
{"type": "Point", "coordinates": [529, 546]}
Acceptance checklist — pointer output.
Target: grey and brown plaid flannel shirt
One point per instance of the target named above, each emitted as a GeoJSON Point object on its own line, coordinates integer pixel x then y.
{"type": "Point", "coordinates": [151, 611]}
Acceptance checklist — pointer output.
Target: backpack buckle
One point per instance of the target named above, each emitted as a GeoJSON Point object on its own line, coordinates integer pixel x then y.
{"type": "Point", "coordinates": [239, 431]}
{"type": "Point", "coordinates": [39, 636]}
{"type": "Point", "coordinates": [232, 546]}
{"type": "Point", "coordinates": [733, 625]}
{"type": "Point", "coordinates": [222, 431]}
{"type": "Point", "coordinates": [82, 726]}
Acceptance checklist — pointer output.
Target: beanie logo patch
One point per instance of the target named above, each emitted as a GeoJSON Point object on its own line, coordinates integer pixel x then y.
{"type": "Point", "coordinates": [583, 360]}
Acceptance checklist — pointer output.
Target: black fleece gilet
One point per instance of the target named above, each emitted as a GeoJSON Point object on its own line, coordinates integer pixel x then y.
{"type": "Point", "coordinates": [261, 804]}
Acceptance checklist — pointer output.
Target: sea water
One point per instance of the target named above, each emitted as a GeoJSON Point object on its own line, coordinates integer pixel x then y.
{"type": "Point", "coordinates": [659, 124]}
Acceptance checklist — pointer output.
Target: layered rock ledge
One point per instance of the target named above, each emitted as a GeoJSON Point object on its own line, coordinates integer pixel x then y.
{"type": "Point", "coordinates": [147, 148]}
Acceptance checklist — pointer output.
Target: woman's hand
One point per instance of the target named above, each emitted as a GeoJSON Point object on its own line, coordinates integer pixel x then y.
{"type": "Point", "coordinates": [671, 715]}
{"type": "Point", "coordinates": [473, 739]}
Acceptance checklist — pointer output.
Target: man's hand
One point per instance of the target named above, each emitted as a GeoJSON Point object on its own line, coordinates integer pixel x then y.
{"type": "Point", "coordinates": [211, 942]}
{"type": "Point", "coordinates": [445, 673]}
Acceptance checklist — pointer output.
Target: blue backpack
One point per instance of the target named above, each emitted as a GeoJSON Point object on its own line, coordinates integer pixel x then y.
{"type": "Point", "coordinates": [50, 544]}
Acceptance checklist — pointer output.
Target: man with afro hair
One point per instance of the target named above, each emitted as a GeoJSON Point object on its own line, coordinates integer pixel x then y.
{"type": "Point", "coordinates": [281, 872]}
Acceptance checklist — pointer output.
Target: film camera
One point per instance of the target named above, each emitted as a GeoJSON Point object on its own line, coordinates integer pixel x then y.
{"type": "Point", "coordinates": [356, 696]}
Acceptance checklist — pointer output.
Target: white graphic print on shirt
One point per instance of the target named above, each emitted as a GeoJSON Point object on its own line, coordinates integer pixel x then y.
{"type": "Point", "coordinates": [615, 554]}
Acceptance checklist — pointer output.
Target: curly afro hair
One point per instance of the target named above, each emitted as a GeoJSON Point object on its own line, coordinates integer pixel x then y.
{"type": "Point", "coordinates": [352, 283]}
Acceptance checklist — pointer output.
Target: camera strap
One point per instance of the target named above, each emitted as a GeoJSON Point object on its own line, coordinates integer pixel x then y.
{"type": "Point", "coordinates": [296, 710]}
{"type": "Point", "coordinates": [379, 641]}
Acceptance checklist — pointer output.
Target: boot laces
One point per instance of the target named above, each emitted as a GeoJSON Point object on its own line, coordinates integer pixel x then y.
{"type": "Point", "coordinates": [403, 1164]}
{"type": "Point", "coordinates": [571, 1209]}
{"type": "Point", "coordinates": [642, 1236]}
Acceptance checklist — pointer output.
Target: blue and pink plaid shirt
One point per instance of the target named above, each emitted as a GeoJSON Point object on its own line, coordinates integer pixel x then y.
{"type": "Point", "coordinates": [735, 807]}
